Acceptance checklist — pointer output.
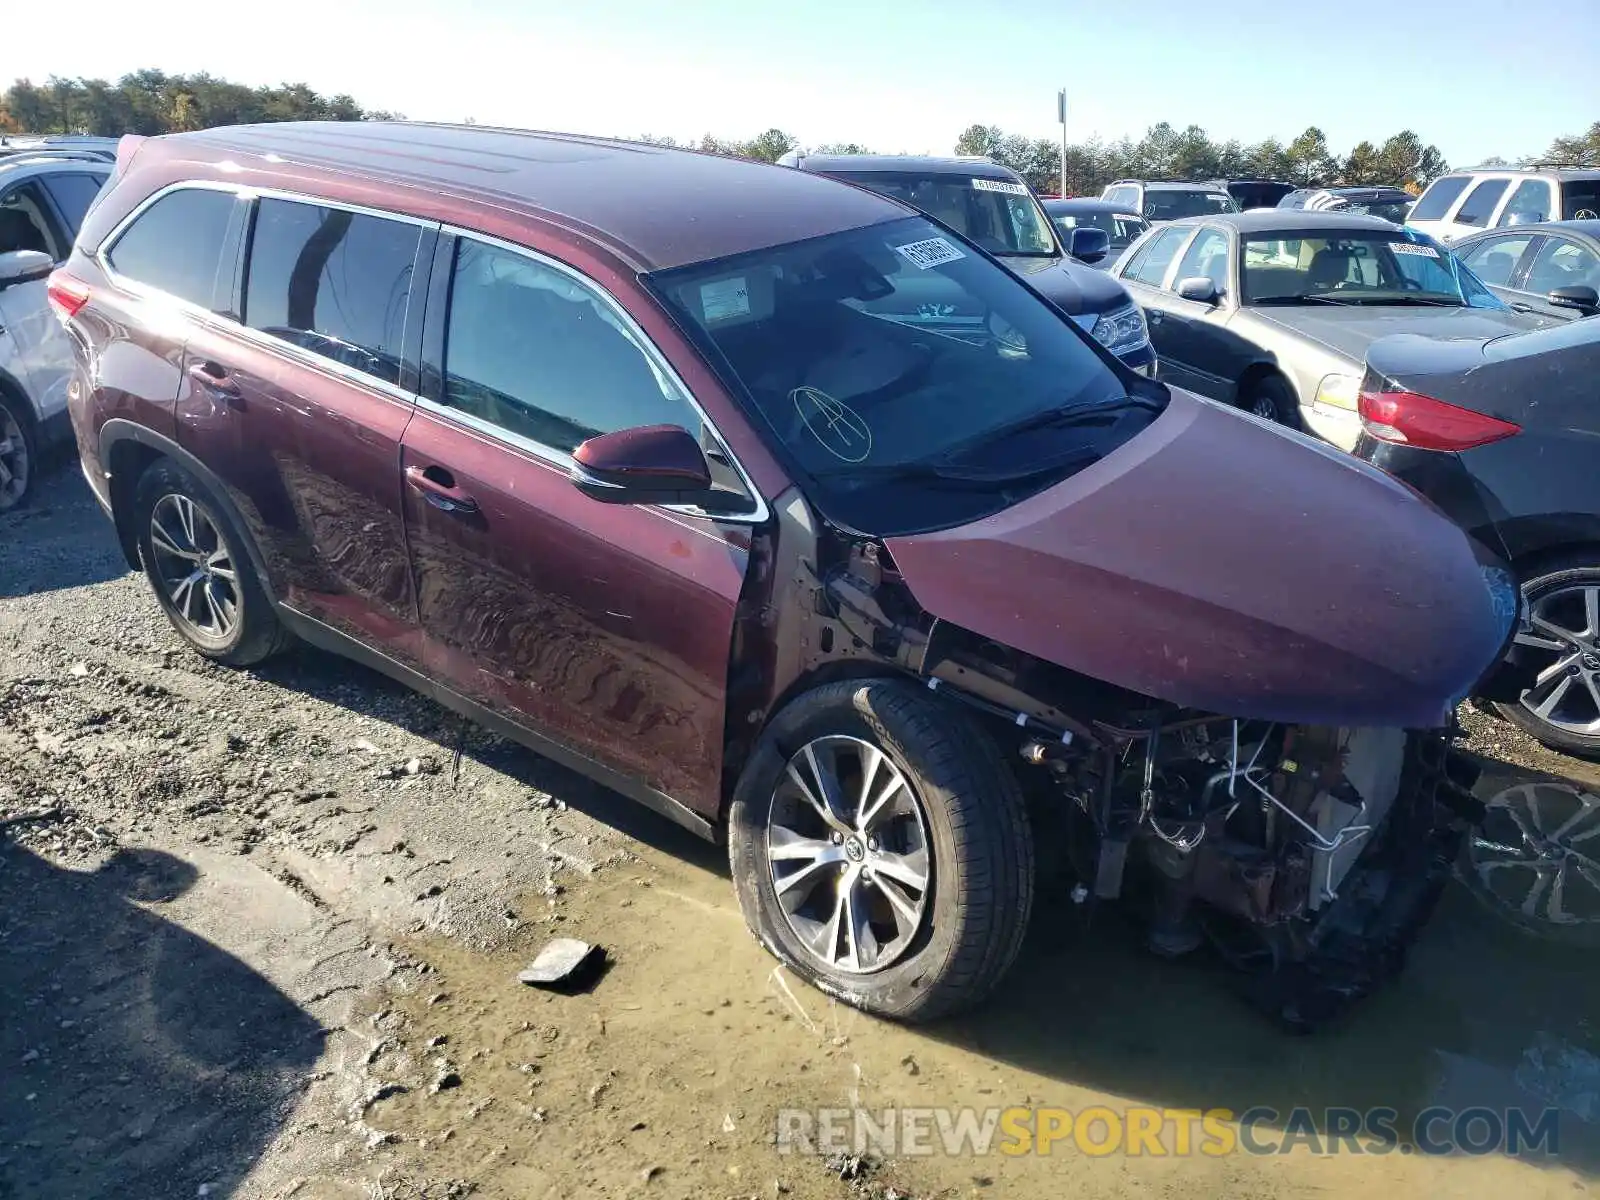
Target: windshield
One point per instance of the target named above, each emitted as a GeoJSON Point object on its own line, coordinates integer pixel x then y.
{"type": "Point", "coordinates": [1121, 228]}
{"type": "Point", "coordinates": [911, 383]}
{"type": "Point", "coordinates": [1580, 199]}
{"type": "Point", "coordinates": [998, 214]}
{"type": "Point", "coordinates": [1171, 204]}
{"type": "Point", "coordinates": [1397, 268]}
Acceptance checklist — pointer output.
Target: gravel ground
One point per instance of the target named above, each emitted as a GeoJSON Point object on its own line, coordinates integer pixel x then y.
{"type": "Point", "coordinates": [259, 934]}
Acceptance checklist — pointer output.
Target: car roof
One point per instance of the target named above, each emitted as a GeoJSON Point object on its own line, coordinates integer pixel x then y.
{"type": "Point", "coordinates": [1272, 220]}
{"type": "Point", "coordinates": [1373, 190]}
{"type": "Point", "coordinates": [40, 164]}
{"type": "Point", "coordinates": [656, 206]}
{"type": "Point", "coordinates": [887, 164]}
{"type": "Point", "coordinates": [1086, 204]}
{"type": "Point", "coordinates": [1175, 185]}
{"type": "Point", "coordinates": [1560, 172]}
{"type": "Point", "coordinates": [1588, 228]}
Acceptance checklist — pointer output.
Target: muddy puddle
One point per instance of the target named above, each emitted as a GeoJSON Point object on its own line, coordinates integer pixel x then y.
{"type": "Point", "coordinates": [669, 1077]}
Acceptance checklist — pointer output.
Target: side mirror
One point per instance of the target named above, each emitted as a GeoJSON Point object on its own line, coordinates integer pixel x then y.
{"type": "Point", "coordinates": [1199, 289]}
{"type": "Point", "coordinates": [1088, 244]}
{"type": "Point", "coordinates": [1581, 297]}
{"type": "Point", "coordinates": [652, 464]}
{"type": "Point", "coordinates": [24, 266]}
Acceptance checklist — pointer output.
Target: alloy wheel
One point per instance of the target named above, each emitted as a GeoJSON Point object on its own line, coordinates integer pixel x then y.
{"type": "Point", "coordinates": [847, 847]}
{"type": "Point", "coordinates": [195, 567]}
{"type": "Point", "coordinates": [1264, 407]}
{"type": "Point", "coordinates": [1537, 853]}
{"type": "Point", "coordinates": [15, 469]}
{"type": "Point", "coordinates": [1564, 634]}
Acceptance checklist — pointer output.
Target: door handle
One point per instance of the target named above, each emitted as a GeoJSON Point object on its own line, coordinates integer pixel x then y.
{"type": "Point", "coordinates": [438, 488]}
{"type": "Point", "coordinates": [215, 379]}
{"type": "Point", "coordinates": [1152, 316]}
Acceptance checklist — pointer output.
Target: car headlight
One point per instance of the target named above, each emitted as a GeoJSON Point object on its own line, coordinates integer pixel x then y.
{"type": "Point", "coordinates": [1121, 330]}
{"type": "Point", "coordinates": [1338, 392]}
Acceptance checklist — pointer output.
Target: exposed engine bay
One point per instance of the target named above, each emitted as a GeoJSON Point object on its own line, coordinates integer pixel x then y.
{"type": "Point", "coordinates": [1307, 856]}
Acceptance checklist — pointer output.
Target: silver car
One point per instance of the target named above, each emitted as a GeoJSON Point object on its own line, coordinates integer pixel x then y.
{"type": "Point", "coordinates": [1273, 310]}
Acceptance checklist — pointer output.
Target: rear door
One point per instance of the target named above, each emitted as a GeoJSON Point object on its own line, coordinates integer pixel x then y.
{"type": "Point", "coordinates": [604, 629]}
{"type": "Point", "coordinates": [297, 403]}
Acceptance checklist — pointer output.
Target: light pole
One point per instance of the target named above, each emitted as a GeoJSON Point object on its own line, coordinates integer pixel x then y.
{"type": "Point", "coordinates": [1061, 115]}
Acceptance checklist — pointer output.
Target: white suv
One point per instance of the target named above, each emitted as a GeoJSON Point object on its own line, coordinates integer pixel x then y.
{"type": "Point", "coordinates": [43, 199]}
{"type": "Point", "coordinates": [1466, 202]}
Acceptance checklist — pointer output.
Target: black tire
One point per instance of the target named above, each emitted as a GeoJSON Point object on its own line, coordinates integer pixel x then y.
{"type": "Point", "coordinates": [1541, 582]}
{"type": "Point", "coordinates": [255, 633]}
{"type": "Point", "coordinates": [981, 876]}
{"type": "Point", "coordinates": [23, 456]}
{"type": "Point", "coordinates": [1272, 399]}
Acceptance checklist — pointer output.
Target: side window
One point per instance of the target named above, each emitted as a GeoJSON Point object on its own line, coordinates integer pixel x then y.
{"type": "Point", "coordinates": [1478, 207]}
{"type": "Point", "coordinates": [538, 354]}
{"type": "Point", "coordinates": [1123, 195]}
{"type": "Point", "coordinates": [1560, 264]}
{"type": "Point", "coordinates": [1441, 194]}
{"type": "Point", "coordinates": [1207, 256]}
{"type": "Point", "coordinates": [333, 282]}
{"type": "Point", "coordinates": [1532, 201]}
{"type": "Point", "coordinates": [73, 194]}
{"type": "Point", "coordinates": [1495, 259]}
{"type": "Point", "coordinates": [175, 245]}
{"type": "Point", "coordinates": [1156, 257]}
{"type": "Point", "coordinates": [25, 223]}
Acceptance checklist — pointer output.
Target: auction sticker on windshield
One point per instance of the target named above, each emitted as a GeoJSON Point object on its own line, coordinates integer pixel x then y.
{"type": "Point", "coordinates": [930, 252]}
{"type": "Point", "coordinates": [999, 185]}
{"type": "Point", "coordinates": [722, 299]}
{"type": "Point", "coordinates": [1413, 248]}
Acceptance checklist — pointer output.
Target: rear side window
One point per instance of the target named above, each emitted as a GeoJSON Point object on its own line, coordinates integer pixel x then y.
{"type": "Point", "coordinates": [1151, 263]}
{"type": "Point", "coordinates": [1494, 260]}
{"type": "Point", "coordinates": [1580, 199]}
{"type": "Point", "coordinates": [73, 194]}
{"type": "Point", "coordinates": [1478, 207]}
{"type": "Point", "coordinates": [1441, 194]}
{"type": "Point", "coordinates": [530, 350]}
{"type": "Point", "coordinates": [175, 245]}
{"type": "Point", "coordinates": [1531, 201]}
{"type": "Point", "coordinates": [333, 282]}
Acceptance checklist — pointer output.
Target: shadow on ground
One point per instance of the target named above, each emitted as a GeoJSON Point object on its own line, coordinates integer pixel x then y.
{"type": "Point", "coordinates": [139, 1060]}
{"type": "Point", "coordinates": [58, 539]}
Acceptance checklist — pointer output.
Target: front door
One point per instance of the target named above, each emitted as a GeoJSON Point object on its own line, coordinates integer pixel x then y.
{"type": "Point", "coordinates": [605, 629]}
{"type": "Point", "coordinates": [1196, 351]}
{"type": "Point", "coordinates": [298, 407]}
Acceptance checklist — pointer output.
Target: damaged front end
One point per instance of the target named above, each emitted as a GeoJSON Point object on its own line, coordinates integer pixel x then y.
{"type": "Point", "coordinates": [1307, 855]}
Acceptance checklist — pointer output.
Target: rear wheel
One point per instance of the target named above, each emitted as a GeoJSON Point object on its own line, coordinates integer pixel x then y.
{"type": "Point", "coordinates": [195, 561]}
{"type": "Point", "coordinates": [1272, 399]}
{"type": "Point", "coordinates": [1562, 646]}
{"type": "Point", "coordinates": [880, 848]}
{"type": "Point", "coordinates": [18, 452]}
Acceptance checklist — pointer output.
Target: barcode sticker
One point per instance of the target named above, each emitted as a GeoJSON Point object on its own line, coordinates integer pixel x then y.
{"type": "Point", "coordinates": [1413, 248]}
{"type": "Point", "coordinates": [930, 252]}
{"type": "Point", "coordinates": [999, 185]}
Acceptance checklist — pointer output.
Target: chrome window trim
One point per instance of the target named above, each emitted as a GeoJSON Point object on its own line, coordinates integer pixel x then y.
{"type": "Point", "coordinates": [493, 433]}
{"type": "Point", "coordinates": [298, 355]}
{"type": "Point", "coordinates": [560, 457]}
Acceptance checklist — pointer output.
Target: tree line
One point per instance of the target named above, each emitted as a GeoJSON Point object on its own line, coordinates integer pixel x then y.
{"type": "Point", "coordinates": [153, 102]}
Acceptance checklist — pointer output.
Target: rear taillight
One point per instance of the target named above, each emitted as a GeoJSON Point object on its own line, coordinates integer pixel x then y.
{"type": "Point", "coordinates": [1408, 419]}
{"type": "Point", "coordinates": [68, 294]}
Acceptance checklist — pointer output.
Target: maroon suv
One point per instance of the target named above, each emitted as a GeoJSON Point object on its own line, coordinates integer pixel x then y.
{"type": "Point", "coordinates": [796, 517]}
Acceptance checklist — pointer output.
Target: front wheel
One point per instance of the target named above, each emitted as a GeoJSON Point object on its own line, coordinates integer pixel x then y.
{"type": "Point", "coordinates": [880, 848]}
{"type": "Point", "coordinates": [1562, 646]}
{"type": "Point", "coordinates": [17, 453]}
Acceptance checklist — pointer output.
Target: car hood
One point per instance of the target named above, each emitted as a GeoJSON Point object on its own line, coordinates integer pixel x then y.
{"type": "Point", "coordinates": [1073, 287]}
{"type": "Point", "coordinates": [1222, 563]}
{"type": "Point", "coordinates": [1349, 331]}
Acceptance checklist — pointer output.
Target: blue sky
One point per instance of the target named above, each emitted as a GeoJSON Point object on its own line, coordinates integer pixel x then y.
{"type": "Point", "coordinates": [1475, 77]}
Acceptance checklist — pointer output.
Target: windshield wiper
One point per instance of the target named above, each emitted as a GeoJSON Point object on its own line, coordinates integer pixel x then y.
{"type": "Point", "coordinates": [1423, 301]}
{"type": "Point", "coordinates": [1065, 415]}
{"type": "Point", "coordinates": [931, 471]}
{"type": "Point", "coordinates": [1268, 301]}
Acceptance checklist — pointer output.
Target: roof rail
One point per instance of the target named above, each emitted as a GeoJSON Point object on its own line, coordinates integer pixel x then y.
{"type": "Point", "coordinates": [1554, 165]}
